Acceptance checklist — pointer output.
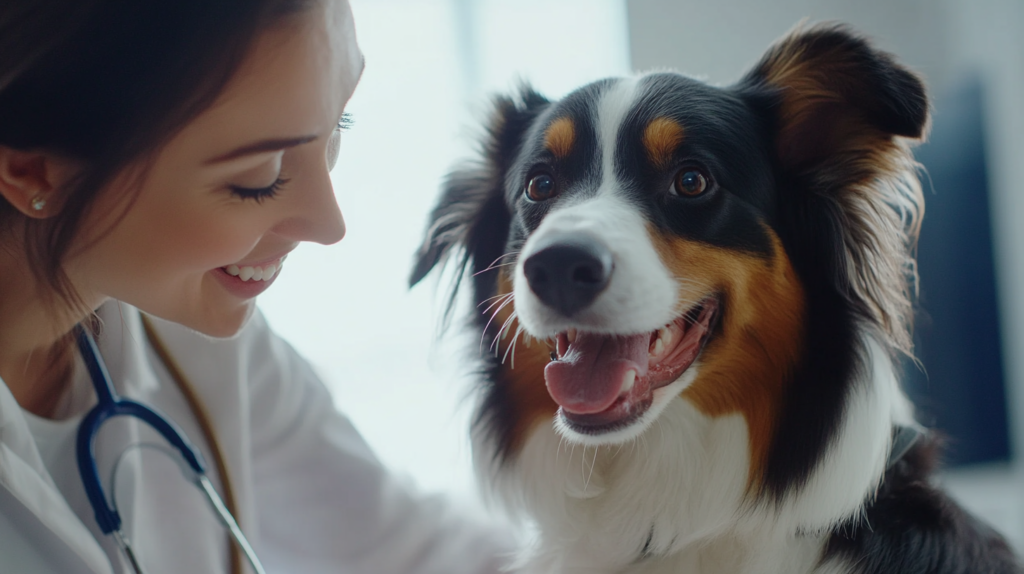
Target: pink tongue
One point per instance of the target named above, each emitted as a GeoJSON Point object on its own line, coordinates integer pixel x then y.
{"type": "Point", "coordinates": [589, 377]}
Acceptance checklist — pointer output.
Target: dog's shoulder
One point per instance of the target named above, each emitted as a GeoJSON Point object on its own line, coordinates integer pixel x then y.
{"type": "Point", "coordinates": [913, 527]}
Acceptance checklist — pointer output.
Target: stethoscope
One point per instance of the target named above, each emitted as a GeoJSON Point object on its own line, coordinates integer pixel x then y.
{"type": "Point", "coordinates": [110, 405]}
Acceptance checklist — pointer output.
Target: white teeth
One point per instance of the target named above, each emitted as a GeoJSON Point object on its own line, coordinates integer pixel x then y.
{"type": "Point", "coordinates": [664, 340]}
{"type": "Point", "coordinates": [627, 381]}
{"type": "Point", "coordinates": [255, 273]}
{"type": "Point", "coordinates": [665, 336]}
{"type": "Point", "coordinates": [571, 335]}
{"type": "Point", "coordinates": [658, 348]}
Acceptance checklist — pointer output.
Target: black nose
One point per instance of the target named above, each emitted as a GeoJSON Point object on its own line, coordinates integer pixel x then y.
{"type": "Point", "coordinates": [567, 274]}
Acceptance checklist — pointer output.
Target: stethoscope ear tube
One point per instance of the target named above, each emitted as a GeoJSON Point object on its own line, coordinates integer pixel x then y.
{"type": "Point", "coordinates": [109, 405]}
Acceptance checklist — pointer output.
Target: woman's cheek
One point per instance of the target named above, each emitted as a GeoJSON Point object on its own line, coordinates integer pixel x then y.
{"type": "Point", "coordinates": [212, 242]}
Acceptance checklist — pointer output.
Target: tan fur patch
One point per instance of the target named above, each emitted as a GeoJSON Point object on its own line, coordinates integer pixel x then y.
{"type": "Point", "coordinates": [661, 138]}
{"type": "Point", "coordinates": [560, 136]}
{"type": "Point", "coordinates": [522, 374]}
{"type": "Point", "coordinates": [745, 366]}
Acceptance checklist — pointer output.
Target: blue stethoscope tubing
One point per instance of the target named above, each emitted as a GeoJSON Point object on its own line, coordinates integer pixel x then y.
{"type": "Point", "coordinates": [110, 405]}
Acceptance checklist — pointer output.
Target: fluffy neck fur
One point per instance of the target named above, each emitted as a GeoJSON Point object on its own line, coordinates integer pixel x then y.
{"type": "Point", "coordinates": [676, 499]}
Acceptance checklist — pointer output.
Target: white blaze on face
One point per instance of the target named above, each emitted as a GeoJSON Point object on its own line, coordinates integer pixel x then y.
{"type": "Point", "coordinates": [641, 295]}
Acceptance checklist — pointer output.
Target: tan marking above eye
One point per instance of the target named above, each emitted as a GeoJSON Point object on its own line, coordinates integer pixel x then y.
{"type": "Point", "coordinates": [661, 138]}
{"type": "Point", "coordinates": [560, 136]}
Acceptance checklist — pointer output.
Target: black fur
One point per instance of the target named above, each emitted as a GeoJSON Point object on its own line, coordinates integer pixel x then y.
{"type": "Point", "coordinates": [724, 136]}
{"type": "Point", "coordinates": [472, 215]}
{"type": "Point", "coordinates": [912, 527]}
{"type": "Point", "coordinates": [811, 174]}
{"type": "Point", "coordinates": [793, 174]}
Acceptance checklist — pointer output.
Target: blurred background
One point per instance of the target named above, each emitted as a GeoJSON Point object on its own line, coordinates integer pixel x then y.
{"type": "Point", "coordinates": [431, 67]}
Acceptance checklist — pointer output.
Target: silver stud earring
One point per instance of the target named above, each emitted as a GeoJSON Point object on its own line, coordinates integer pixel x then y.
{"type": "Point", "coordinates": [38, 203]}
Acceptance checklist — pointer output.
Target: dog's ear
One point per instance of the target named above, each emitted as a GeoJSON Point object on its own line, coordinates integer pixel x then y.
{"type": "Point", "coordinates": [841, 115]}
{"type": "Point", "coordinates": [472, 213]}
{"type": "Point", "coordinates": [833, 92]}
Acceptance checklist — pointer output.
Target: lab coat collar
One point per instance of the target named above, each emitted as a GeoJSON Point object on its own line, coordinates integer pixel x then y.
{"type": "Point", "coordinates": [24, 477]}
{"type": "Point", "coordinates": [22, 472]}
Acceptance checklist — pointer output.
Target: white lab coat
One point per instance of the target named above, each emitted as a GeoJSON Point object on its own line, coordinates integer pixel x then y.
{"type": "Point", "coordinates": [312, 497]}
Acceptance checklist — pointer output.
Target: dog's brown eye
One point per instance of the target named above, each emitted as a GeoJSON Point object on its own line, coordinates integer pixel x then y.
{"type": "Point", "coordinates": [540, 187]}
{"type": "Point", "coordinates": [689, 182]}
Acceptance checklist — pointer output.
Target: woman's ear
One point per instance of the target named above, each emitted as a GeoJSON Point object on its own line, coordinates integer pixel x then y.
{"type": "Point", "coordinates": [31, 181]}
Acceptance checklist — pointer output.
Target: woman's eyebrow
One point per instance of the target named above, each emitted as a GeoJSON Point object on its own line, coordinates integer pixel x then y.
{"type": "Point", "coordinates": [263, 146]}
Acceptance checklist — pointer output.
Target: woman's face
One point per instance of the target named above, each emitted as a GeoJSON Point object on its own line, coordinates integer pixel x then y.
{"type": "Point", "coordinates": [236, 190]}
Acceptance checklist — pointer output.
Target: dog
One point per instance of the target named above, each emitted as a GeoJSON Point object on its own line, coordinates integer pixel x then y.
{"type": "Point", "coordinates": [695, 303]}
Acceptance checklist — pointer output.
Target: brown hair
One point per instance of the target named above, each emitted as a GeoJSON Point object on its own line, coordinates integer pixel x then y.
{"type": "Point", "coordinates": [107, 82]}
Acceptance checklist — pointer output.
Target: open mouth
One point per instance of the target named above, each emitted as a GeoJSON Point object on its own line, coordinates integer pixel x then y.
{"type": "Point", "coordinates": [606, 382]}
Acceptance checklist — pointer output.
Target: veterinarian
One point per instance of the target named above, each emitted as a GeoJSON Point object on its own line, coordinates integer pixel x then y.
{"type": "Point", "coordinates": [158, 161]}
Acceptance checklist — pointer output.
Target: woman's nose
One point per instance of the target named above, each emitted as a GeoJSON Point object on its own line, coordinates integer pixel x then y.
{"type": "Point", "coordinates": [316, 215]}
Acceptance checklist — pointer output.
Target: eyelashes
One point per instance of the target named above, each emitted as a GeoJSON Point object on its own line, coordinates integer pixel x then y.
{"type": "Point", "coordinates": [345, 122]}
{"type": "Point", "coordinates": [258, 194]}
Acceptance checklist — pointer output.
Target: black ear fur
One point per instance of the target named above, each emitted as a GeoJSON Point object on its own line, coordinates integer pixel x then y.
{"type": "Point", "coordinates": [839, 111]}
{"type": "Point", "coordinates": [472, 212]}
{"type": "Point", "coordinates": [831, 84]}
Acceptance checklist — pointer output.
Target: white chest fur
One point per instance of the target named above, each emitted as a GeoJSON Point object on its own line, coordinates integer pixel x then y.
{"type": "Point", "coordinates": [675, 499]}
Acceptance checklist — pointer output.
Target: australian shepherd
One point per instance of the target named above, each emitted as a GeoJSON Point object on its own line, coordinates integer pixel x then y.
{"type": "Point", "coordinates": [694, 303]}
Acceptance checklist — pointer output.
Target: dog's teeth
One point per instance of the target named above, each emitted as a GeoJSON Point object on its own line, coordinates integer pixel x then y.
{"type": "Point", "coordinates": [571, 334]}
{"type": "Point", "coordinates": [627, 381]}
{"type": "Point", "coordinates": [665, 336]}
{"type": "Point", "coordinates": [658, 347]}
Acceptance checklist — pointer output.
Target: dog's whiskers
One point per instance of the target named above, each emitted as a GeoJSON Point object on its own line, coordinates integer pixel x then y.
{"type": "Point", "coordinates": [512, 346]}
{"type": "Point", "coordinates": [508, 299]}
{"type": "Point", "coordinates": [502, 332]}
{"type": "Point", "coordinates": [497, 300]}
{"type": "Point", "coordinates": [495, 265]}
{"type": "Point", "coordinates": [492, 298]}
{"type": "Point", "coordinates": [593, 461]}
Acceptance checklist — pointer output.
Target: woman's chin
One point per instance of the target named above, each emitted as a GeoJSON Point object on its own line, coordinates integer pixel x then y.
{"type": "Point", "coordinates": [217, 321]}
{"type": "Point", "coordinates": [224, 323]}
